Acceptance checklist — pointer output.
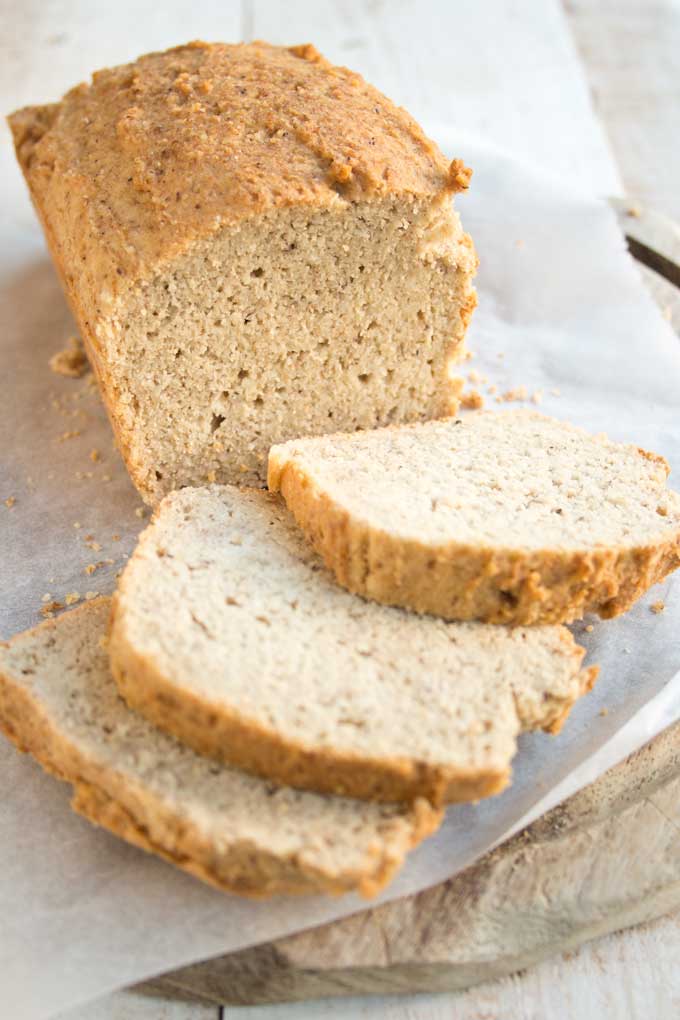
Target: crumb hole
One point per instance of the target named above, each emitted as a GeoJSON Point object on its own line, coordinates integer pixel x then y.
{"type": "Point", "coordinates": [257, 273]}
{"type": "Point", "coordinates": [243, 374]}
{"type": "Point", "coordinates": [364, 377]}
{"type": "Point", "coordinates": [216, 421]}
{"type": "Point", "coordinates": [159, 476]}
{"type": "Point", "coordinates": [258, 401]}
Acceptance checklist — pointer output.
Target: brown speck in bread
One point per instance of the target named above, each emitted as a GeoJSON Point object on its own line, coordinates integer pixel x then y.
{"type": "Point", "coordinates": [70, 362]}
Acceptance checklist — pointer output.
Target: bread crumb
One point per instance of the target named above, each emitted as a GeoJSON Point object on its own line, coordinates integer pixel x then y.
{"type": "Point", "coordinates": [589, 628]}
{"type": "Point", "coordinates": [94, 546]}
{"type": "Point", "coordinates": [71, 434]}
{"type": "Point", "coordinates": [73, 596]}
{"type": "Point", "coordinates": [537, 397]}
{"type": "Point", "coordinates": [500, 355]}
{"type": "Point", "coordinates": [77, 524]}
{"type": "Point", "coordinates": [46, 597]}
{"type": "Point", "coordinates": [472, 400]}
{"type": "Point", "coordinates": [106, 478]}
{"type": "Point", "coordinates": [10, 501]}
{"type": "Point", "coordinates": [70, 362]}
{"type": "Point", "coordinates": [517, 393]}
{"type": "Point", "coordinates": [50, 608]}
{"type": "Point", "coordinates": [604, 711]}
{"type": "Point", "coordinates": [89, 595]}
{"type": "Point", "coordinates": [555, 392]}
{"type": "Point", "coordinates": [473, 376]}
{"type": "Point", "coordinates": [115, 538]}
{"type": "Point", "coordinates": [635, 211]}
{"type": "Point", "coordinates": [667, 312]}
{"type": "Point", "coordinates": [658, 607]}
{"type": "Point", "coordinates": [95, 455]}
{"type": "Point", "coordinates": [520, 242]}
{"type": "Point", "coordinates": [91, 567]}
{"type": "Point", "coordinates": [140, 511]}
{"type": "Point", "coordinates": [492, 388]}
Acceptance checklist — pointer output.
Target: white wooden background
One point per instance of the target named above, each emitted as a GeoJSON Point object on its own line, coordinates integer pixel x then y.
{"type": "Point", "coordinates": [418, 52]}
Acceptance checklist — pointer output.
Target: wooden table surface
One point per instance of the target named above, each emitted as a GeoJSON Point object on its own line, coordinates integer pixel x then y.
{"type": "Point", "coordinates": [630, 50]}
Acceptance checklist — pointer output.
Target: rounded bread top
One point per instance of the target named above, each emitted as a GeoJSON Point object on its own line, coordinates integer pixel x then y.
{"type": "Point", "coordinates": [168, 149]}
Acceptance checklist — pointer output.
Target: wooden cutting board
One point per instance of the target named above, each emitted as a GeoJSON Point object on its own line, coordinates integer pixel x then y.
{"type": "Point", "coordinates": [608, 858]}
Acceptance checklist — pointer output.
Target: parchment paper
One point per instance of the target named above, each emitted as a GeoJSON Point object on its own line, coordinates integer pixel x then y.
{"type": "Point", "coordinates": [80, 912]}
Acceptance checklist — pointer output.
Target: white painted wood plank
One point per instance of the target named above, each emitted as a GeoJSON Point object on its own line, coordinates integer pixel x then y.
{"type": "Point", "coordinates": [621, 977]}
{"type": "Point", "coordinates": [505, 70]}
{"type": "Point", "coordinates": [631, 49]}
{"type": "Point", "coordinates": [49, 45]}
{"type": "Point", "coordinates": [130, 1005]}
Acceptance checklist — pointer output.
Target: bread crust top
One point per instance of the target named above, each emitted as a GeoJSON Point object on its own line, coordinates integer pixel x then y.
{"type": "Point", "coordinates": [153, 155]}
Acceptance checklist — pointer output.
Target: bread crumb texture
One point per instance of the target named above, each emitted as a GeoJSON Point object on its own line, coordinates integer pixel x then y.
{"type": "Point", "coordinates": [508, 518]}
{"type": "Point", "coordinates": [235, 226]}
{"type": "Point", "coordinates": [58, 701]}
{"type": "Point", "coordinates": [72, 361]}
{"type": "Point", "coordinates": [259, 658]}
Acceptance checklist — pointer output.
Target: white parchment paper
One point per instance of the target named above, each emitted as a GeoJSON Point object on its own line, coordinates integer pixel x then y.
{"type": "Point", "coordinates": [80, 912]}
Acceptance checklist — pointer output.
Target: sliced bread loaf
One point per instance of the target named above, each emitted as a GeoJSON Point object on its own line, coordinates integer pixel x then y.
{"type": "Point", "coordinates": [59, 702]}
{"type": "Point", "coordinates": [235, 224]}
{"type": "Point", "coordinates": [228, 631]}
{"type": "Point", "coordinates": [508, 518]}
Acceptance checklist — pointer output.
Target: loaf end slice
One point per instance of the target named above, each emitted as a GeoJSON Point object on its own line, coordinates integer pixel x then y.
{"type": "Point", "coordinates": [241, 834]}
{"type": "Point", "coordinates": [233, 224]}
{"type": "Point", "coordinates": [228, 632]}
{"type": "Point", "coordinates": [507, 517]}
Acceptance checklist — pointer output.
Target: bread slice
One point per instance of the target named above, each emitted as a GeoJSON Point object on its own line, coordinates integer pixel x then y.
{"type": "Point", "coordinates": [228, 631]}
{"type": "Point", "coordinates": [59, 702]}
{"type": "Point", "coordinates": [233, 224]}
{"type": "Point", "coordinates": [508, 518]}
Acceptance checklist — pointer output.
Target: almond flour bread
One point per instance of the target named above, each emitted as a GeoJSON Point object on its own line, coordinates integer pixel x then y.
{"type": "Point", "coordinates": [228, 632]}
{"type": "Point", "coordinates": [509, 518]}
{"type": "Point", "coordinates": [235, 227]}
{"type": "Point", "coordinates": [58, 701]}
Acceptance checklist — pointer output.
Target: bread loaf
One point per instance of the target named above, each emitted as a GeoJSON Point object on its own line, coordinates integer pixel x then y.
{"type": "Point", "coordinates": [256, 245]}
{"type": "Point", "coordinates": [228, 631]}
{"type": "Point", "coordinates": [58, 701]}
{"type": "Point", "coordinates": [508, 518]}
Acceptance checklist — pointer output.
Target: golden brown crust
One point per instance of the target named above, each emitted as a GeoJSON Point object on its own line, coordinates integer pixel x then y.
{"type": "Point", "coordinates": [458, 581]}
{"type": "Point", "coordinates": [105, 798]}
{"type": "Point", "coordinates": [227, 736]}
{"type": "Point", "coordinates": [156, 154]}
